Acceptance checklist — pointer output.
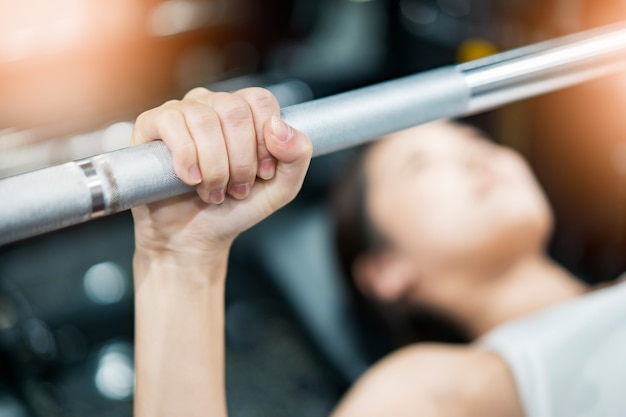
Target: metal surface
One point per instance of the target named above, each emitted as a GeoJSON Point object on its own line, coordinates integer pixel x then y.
{"type": "Point", "coordinates": [41, 201]}
{"type": "Point", "coordinates": [349, 119]}
{"type": "Point", "coordinates": [56, 197]}
{"type": "Point", "coordinates": [544, 67]}
{"type": "Point", "coordinates": [94, 183]}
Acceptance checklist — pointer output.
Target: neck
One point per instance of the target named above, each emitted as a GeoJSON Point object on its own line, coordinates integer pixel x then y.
{"type": "Point", "coordinates": [529, 286]}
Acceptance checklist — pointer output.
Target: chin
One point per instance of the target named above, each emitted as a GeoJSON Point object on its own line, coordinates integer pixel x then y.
{"type": "Point", "coordinates": [526, 233]}
{"type": "Point", "coordinates": [516, 228]}
{"type": "Point", "coordinates": [523, 206]}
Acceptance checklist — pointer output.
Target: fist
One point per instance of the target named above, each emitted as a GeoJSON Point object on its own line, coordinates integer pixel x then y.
{"type": "Point", "coordinates": [243, 160]}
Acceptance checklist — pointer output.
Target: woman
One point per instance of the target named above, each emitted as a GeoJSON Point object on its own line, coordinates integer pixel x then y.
{"type": "Point", "coordinates": [462, 210]}
{"type": "Point", "coordinates": [459, 224]}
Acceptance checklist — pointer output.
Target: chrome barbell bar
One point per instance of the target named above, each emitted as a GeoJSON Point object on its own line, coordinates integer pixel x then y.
{"type": "Point", "coordinates": [52, 198]}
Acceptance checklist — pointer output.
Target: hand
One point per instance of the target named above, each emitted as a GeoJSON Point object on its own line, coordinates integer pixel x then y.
{"type": "Point", "coordinates": [244, 161]}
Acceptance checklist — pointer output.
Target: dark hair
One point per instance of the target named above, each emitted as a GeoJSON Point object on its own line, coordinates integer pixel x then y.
{"type": "Point", "coordinates": [382, 327]}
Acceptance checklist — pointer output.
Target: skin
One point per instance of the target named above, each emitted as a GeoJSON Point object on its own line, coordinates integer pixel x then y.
{"type": "Point", "coordinates": [218, 142]}
{"type": "Point", "coordinates": [246, 164]}
{"type": "Point", "coordinates": [468, 225]}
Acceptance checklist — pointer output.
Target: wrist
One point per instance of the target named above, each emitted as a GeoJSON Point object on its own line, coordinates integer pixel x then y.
{"type": "Point", "coordinates": [198, 267]}
{"type": "Point", "coordinates": [182, 256]}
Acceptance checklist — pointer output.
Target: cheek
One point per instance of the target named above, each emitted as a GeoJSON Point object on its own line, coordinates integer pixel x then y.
{"type": "Point", "coordinates": [440, 217]}
{"type": "Point", "coordinates": [444, 217]}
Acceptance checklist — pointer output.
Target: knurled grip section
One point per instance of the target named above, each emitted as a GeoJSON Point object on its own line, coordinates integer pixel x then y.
{"type": "Point", "coordinates": [53, 198]}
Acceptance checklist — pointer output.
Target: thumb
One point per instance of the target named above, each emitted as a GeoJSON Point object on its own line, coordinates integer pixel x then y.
{"type": "Point", "coordinates": [292, 150]}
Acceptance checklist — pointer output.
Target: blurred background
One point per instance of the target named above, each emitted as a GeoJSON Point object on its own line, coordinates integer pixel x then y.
{"type": "Point", "coordinates": [73, 73]}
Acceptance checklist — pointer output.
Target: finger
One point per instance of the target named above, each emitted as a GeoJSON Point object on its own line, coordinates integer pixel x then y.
{"type": "Point", "coordinates": [204, 126]}
{"type": "Point", "coordinates": [199, 93]}
{"type": "Point", "coordinates": [263, 105]}
{"type": "Point", "coordinates": [168, 124]}
{"type": "Point", "coordinates": [293, 150]}
{"type": "Point", "coordinates": [240, 138]}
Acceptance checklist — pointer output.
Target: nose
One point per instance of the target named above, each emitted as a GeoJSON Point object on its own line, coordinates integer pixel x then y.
{"type": "Point", "coordinates": [476, 163]}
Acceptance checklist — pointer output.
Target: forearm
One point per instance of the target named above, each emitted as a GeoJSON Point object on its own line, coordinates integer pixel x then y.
{"type": "Point", "coordinates": [243, 168]}
{"type": "Point", "coordinates": [179, 342]}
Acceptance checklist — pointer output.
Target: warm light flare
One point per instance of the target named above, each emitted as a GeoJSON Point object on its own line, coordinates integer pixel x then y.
{"type": "Point", "coordinates": [38, 27]}
{"type": "Point", "coordinates": [32, 28]}
{"type": "Point", "coordinates": [172, 17]}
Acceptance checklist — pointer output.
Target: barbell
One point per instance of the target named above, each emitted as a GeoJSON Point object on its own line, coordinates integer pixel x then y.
{"type": "Point", "coordinates": [52, 198]}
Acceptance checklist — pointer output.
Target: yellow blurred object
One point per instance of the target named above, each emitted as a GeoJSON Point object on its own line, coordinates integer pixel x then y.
{"type": "Point", "coordinates": [475, 48]}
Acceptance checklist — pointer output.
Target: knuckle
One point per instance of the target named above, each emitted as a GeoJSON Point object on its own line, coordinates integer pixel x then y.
{"type": "Point", "coordinates": [235, 112]}
{"type": "Point", "coordinates": [243, 172]}
{"type": "Point", "coordinates": [216, 179]}
{"type": "Point", "coordinates": [217, 182]}
{"type": "Point", "coordinates": [169, 115]}
{"type": "Point", "coordinates": [142, 118]}
{"type": "Point", "coordinates": [200, 115]}
{"type": "Point", "coordinates": [170, 103]}
{"type": "Point", "coordinates": [184, 148]}
{"type": "Point", "coordinates": [184, 153]}
{"type": "Point", "coordinates": [261, 99]}
{"type": "Point", "coordinates": [163, 109]}
{"type": "Point", "coordinates": [140, 125]}
{"type": "Point", "coordinates": [197, 92]}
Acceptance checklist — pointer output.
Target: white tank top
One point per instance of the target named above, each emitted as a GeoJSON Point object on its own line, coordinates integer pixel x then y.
{"type": "Point", "coordinates": [569, 360]}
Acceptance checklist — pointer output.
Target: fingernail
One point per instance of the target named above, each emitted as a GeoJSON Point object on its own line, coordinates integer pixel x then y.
{"type": "Point", "coordinates": [239, 190]}
{"type": "Point", "coordinates": [217, 197]}
{"type": "Point", "coordinates": [267, 169]}
{"type": "Point", "coordinates": [194, 174]}
{"type": "Point", "coordinates": [282, 130]}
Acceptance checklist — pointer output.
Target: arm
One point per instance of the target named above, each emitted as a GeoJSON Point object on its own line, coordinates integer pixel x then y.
{"type": "Point", "coordinates": [434, 381]}
{"type": "Point", "coordinates": [246, 164]}
{"type": "Point", "coordinates": [180, 263]}
{"type": "Point", "coordinates": [179, 318]}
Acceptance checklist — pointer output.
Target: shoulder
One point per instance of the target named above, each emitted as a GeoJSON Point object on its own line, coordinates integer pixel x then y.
{"type": "Point", "coordinates": [434, 380]}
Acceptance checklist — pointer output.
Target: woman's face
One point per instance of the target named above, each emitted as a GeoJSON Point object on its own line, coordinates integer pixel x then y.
{"type": "Point", "coordinates": [450, 199]}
